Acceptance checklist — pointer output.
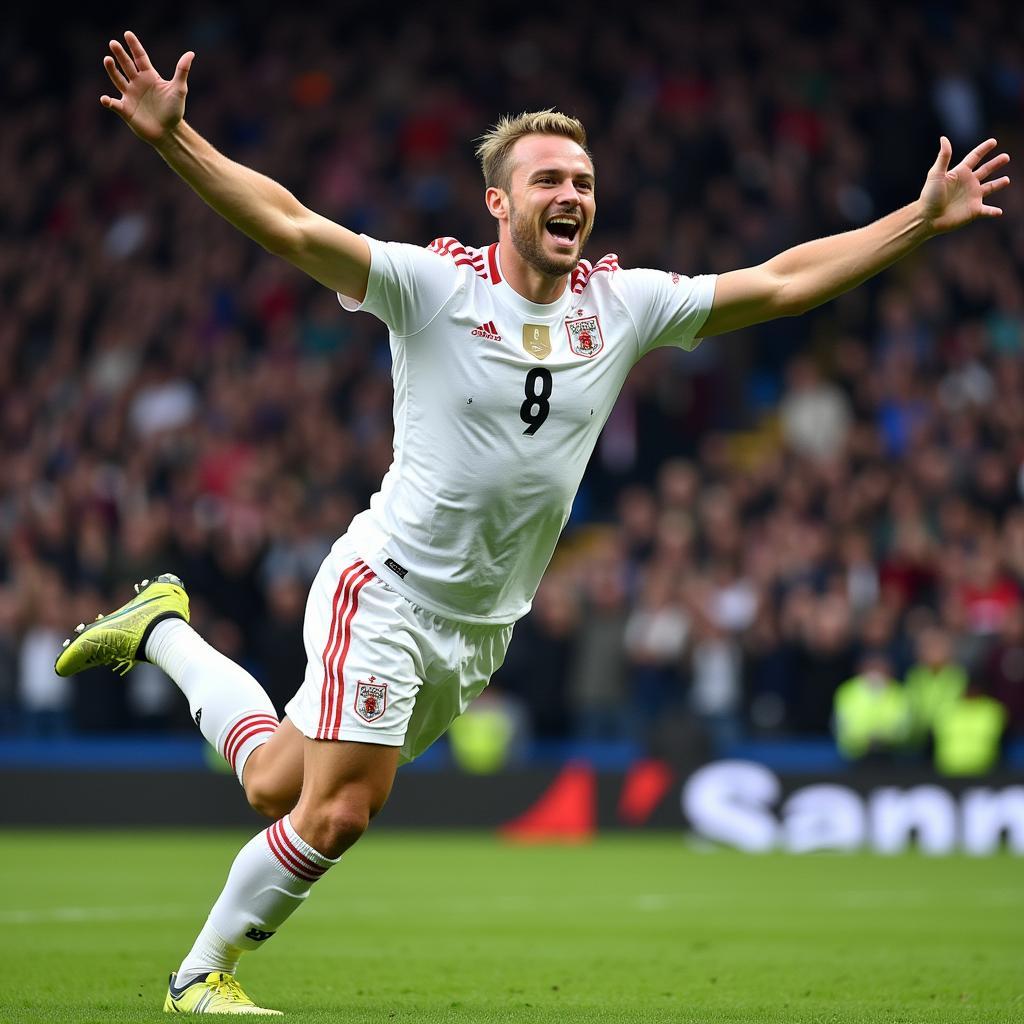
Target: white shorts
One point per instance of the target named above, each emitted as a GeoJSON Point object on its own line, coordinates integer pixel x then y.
{"type": "Point", "coordinates": [379, 669]}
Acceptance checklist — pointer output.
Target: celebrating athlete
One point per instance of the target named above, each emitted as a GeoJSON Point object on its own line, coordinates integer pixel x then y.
{"type": "Point", "coordinates": [507, 362]}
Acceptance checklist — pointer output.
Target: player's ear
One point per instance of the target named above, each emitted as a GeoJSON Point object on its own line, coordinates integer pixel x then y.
{"type": "Point", "coordinates": [497, 203]}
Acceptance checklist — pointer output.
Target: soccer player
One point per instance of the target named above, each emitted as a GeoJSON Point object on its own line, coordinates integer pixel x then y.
{"type": "Point", "coordinates": [507, 361]}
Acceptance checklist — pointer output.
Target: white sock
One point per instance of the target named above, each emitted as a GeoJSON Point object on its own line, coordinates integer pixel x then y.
{"type": "Point", "coordinates": [268, 881]}
{"type": "Point", "coordinates": [232, 710]}
{"type": "Point", "coordinates": [211, 953]}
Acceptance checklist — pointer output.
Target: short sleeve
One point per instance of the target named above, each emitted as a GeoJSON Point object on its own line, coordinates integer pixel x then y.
{"type": "Point", "coordinates": [667, 308]}
{"type": "Point", "coordinates": [407, 286]}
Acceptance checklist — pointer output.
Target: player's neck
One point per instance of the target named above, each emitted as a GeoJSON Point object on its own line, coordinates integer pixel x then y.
{"type": "Point", "coordinates": [526, 280]}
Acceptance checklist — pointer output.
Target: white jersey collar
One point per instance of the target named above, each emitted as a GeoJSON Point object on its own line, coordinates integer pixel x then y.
{"type": "Point", "coordinates": [511, 298]}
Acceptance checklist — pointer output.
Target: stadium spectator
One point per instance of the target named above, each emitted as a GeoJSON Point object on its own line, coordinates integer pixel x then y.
{"type": "Point", "coordinates": [656, 634]}
{"type": "Point", "coordinates": [871, 713]}
{"type": "Point", "coordinates": [1004, 670]}
{"type": "Point", "coordinates": [933, 684]}
{"type": "Point", "coordinates": [814, 414]}
{"type": "Point", "coordinates": [598, 689]}
{"type": "Point", "coordinates": [9, 647]}
{"type": "Point", "coordinates": [968, 734]}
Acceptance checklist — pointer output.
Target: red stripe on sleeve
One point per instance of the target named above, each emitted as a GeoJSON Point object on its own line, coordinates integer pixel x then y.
{"type": "Point", "coordinates": [492, 262]}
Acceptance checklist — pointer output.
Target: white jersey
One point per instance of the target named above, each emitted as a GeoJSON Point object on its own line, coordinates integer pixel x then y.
{"type": "Point", "coordinates": [498, 405]}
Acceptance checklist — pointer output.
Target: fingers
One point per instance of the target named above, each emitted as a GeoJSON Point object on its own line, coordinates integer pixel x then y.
{"type": "Point", "coordinates": [941, 164]}
{"type": "Point", "coordinates": [993, 165]}
{"type": "Point", "coordinates": [111, 104]}
{"type": "Point", "coordinates": [994, 186]}
{"type": "Point", "coordinates": [125, 63]}
{"type": "Point", "coordinates": [978, 153]}
{"type": "Point", "coordinates": [184, 64]}
{"type": "Point", "coordinates": [138, 51]}
{"type": "Point", "coordinates": [114, 74]}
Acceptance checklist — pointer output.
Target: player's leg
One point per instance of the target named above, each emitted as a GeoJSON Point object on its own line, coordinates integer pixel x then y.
{"type": "Point", "coordinates": [353, 708]}
{"type": "Point", "coordinates": [345, 785]}
{"type": "Point", "coordinates": [231, 709]}
{"type": "Point", "coordinates": [272, 776]}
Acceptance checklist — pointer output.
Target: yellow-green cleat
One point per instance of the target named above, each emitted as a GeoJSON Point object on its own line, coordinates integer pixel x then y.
{"type": "Point", "coordinates": [119, 639]}
{"type": "Point", "coordinates": [216, 993]}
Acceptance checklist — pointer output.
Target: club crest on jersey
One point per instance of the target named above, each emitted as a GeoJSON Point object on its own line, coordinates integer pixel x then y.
{"type": "Point", "coordinates": [585, 338]}
{"type": "Point", "coordinates": [371, 699]}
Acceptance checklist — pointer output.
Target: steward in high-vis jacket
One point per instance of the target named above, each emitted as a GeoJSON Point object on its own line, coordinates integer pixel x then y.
{"type": "Point", "coordinates": [871, 711]}
{"type": "Point", "coordinates": [969, 734]}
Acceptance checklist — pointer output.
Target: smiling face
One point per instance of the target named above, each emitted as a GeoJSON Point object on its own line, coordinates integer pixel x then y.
{"type": "Point", "coordinates": [549, 208]}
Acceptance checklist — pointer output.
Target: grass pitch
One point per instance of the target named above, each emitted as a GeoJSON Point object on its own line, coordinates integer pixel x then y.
{"type": "Point", "coordinates": [462, 928]}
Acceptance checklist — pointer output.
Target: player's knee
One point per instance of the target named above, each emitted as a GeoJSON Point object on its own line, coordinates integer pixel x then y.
{"type": "Point", "coordinates": [268, 803]}
{"type": "Point", "coordinates": [338, 825]}
{"type": "Point", "coordinates": [265, 796]}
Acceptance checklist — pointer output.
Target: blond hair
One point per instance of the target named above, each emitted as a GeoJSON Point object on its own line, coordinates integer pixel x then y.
{"type": "Point", "coordinates": [494, 148]}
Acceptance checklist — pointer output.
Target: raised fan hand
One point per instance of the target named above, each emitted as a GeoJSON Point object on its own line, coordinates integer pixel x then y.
{"type": "Point", "coordinates": [955, 196]}
{"type": "Point", "coordinates": [150, 105]}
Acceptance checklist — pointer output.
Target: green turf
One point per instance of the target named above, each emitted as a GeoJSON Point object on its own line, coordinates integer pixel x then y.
{"type": "Point", "coordinates": [420, 928]}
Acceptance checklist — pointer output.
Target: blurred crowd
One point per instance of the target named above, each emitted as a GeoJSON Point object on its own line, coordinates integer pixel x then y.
{"type": "Point", "coordinates": [764, 519]}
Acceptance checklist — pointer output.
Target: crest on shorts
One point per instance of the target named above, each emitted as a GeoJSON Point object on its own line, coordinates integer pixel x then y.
{"type": "Point", "coordinates": [585, 338]}
{"type": "Point", "coordinates": [371, 699]}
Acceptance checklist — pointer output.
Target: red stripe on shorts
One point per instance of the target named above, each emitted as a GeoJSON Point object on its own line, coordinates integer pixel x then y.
{"type": "Point", "coordinates": [324, 687]}
{"type": "Point", "coordinates": [335, 730]}
{"type": "Point", "coordinates": [342, 596]}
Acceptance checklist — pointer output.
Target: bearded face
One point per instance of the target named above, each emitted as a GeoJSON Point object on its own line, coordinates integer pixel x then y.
{"type": "Point", "coordinates": [550, 203]}
{"type": "Point", "coordinates": [550, 241]}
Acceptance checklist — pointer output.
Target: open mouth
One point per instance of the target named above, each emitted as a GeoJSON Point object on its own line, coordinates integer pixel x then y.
{"type": "Point", "coordinates": [563, 229]}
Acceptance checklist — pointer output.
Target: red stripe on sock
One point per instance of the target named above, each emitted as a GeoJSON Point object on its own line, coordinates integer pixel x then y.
{"type": "Point", "coordinates": [256, 729]}
{"type": "Point", "coordinates": [262, 719]}
{"type": "Point", "coordinates": [353, 607]}
{"type": "Point", "coordinates": [277, 848]}
{"type": "Point", "coordinates": [244, 721]}
{"type": "Point", "coordinates": [340, 601]}
{"type": "Point", "coordinates": [274, 842]}
{"type": "Point", "coordinates": [311, 865]}
{"type": "Point", "coordinates": [243, 730]}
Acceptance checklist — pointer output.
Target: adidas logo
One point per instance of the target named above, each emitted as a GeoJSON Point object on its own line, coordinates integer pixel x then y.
{"type": "Point", "coordinates": [487, 330]}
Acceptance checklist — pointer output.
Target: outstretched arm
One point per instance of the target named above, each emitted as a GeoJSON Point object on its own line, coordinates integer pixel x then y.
{"type": "Point", "coordinates": [154, 109]}
{"type": "Point", "coordinates": [808, 275]}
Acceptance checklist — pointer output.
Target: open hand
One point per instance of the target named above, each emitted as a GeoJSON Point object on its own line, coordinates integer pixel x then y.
{"type": "Point", "coordinates": [150, 105]}
{"type": "Point", "coordinates": [952, 197]}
